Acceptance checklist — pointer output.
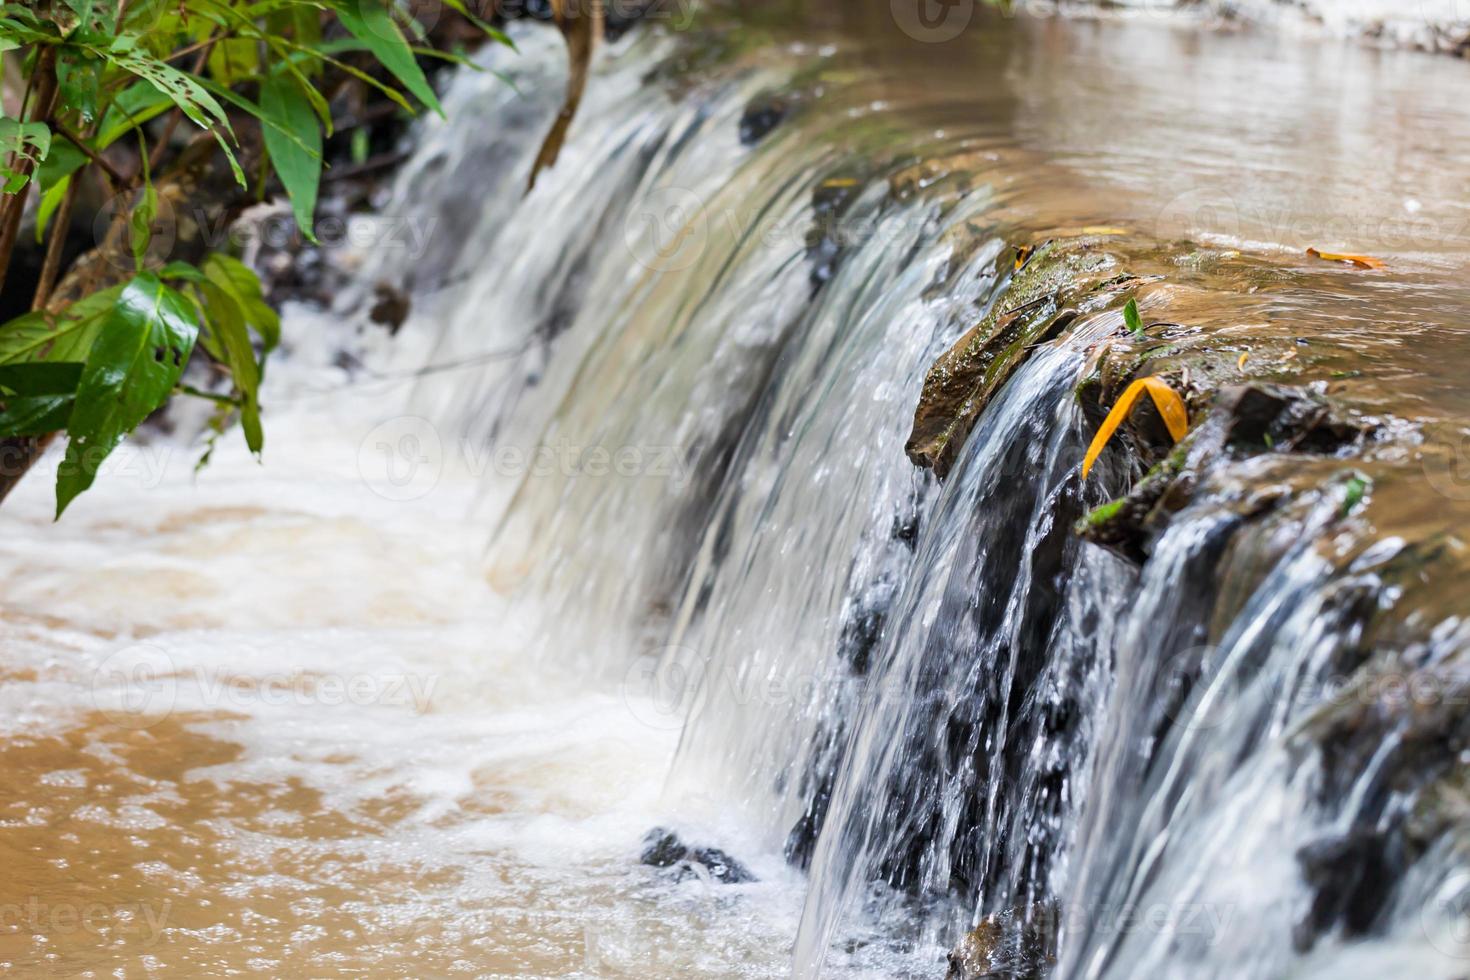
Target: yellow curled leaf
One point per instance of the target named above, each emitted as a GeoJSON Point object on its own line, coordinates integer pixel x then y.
{"type": "Point", "coordinates": [1166, 400]}
{"type": "Point", "coordinates": [1171, 407]}
{"type": "Point", "coordinates": [1361, 261]}
{"type": "Point", "coordinates": [1240, 364]}
{"type": "Point", "coordinates": [1023, 252]}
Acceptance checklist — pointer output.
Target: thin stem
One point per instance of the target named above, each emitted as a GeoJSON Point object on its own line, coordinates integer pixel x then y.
{"type": "Point", "coordinates": [96, 157]}
{"type": "Point", "coordinates": [60, 227]}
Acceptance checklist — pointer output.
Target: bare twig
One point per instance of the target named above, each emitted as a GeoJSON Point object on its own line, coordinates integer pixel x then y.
{"type": "Point", "coordinates": [97, 158]}
{"type": "Point", "coordinates": [580, 29]}
{"type": "Point", "coordinates": [60, 226]}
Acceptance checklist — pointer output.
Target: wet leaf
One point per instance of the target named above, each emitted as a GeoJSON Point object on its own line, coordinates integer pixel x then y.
{"type": "Point", "coordinates": [1357, 489]}
{"type": "Point", "coordinates": [34, 415]}
{"type": "Point", "coordinates": [1240, 364]}
{"type": "Point", "coordinates": [299, 166]}
{"type": "Point", "coordinates": [29, 141]}
{"type": "Point", "coordinates": [1360, 261]}
{"type": "Point", "coordinates": [136, 360]}
{"type": "Point", "coordinates": [370, 22]}
{"type": "Point", "coordinates": [41, 377]}
{"type": "Point", "coordinates": [1023, 255]}
{"type": "Point", "coordinates": [1166, 400]}
{"type": "Point", "coordinates": [1131, 317]}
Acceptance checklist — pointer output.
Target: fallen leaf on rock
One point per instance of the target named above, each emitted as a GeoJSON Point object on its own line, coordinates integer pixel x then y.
{"type": "Point", "coordinates": [1361, 261]}
{"type": "Point", "coordinates": [1171, 409]}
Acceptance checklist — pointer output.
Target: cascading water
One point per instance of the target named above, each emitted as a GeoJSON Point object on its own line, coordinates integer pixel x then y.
{"type": "Point", "coordinates": [943, 696]}
{"type": "Point", "coordinates": [674, 385]}
{"type": "Point", "coordinates": [944, 692]}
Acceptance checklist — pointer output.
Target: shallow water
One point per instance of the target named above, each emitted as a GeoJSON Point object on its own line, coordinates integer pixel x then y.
{"type": "Point", "coordinates": [403, 700]}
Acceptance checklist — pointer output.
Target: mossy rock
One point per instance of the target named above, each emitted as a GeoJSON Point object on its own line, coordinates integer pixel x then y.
{"type": "Point", "coordinates": [1038, 304]}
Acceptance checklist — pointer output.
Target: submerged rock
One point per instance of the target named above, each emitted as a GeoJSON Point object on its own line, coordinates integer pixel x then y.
{"type": "Point", "coordinates": [1005, 946]}
{"type": "Point", "coordinates": [662, 848]}
{"type": "Point", "coordinates": [763, 114]}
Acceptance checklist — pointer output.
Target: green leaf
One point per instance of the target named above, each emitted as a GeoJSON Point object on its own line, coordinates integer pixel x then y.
{"type": "Point", "coordinates": [300, 168]}
{"type": "Point", "coordinates": [370, 23]}
{"type": "Point", "coordinates": [41, 377]}
{"type": "Point", "coordinates": [233, 60]}
{"type": "Point", "coordinates": [64, 337]}
{"type": "Point", "coordinates": [1131, 317]}
{"type": "Point", "coordinates": [183, 89]}
{"type": "Point", "coordinates": [236, 278]}
{"type": "Point", "coordinates": [50, 201]}
{"type": "Point", "coordinates": [1356, 490]}
{"type": "Point", "coordinates": [35, 415]}
{"type": "Point", "coordinates": [133, 106]}
{"type": "Point", "coordinates": [227, 324]}
{"type": "Point", "coordinates": [79, 75]}
{"type": "Point", "coordinates": [181, 270]}
{"type": "Point", "coordinates": [137, 358]}
{"type": "Point", "coordinates": [490, 31]}
{"type": "Point", "coordinates": [27, 140]}
{"type": "Point", "coordinates": [141, 223]}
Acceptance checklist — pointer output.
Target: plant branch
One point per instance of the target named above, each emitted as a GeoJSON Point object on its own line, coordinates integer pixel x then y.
{"type": "Point", "coordinates": [97, 158]}
{"type": "Point", "coordinates": [56, 244]}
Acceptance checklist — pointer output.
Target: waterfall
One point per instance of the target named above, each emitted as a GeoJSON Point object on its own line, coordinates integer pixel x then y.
{"type": "Point", "coordinates": [934, 697]}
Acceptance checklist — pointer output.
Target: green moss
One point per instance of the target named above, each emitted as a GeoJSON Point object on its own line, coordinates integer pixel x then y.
{"type": "Point", "coordinates": [1101, 515]}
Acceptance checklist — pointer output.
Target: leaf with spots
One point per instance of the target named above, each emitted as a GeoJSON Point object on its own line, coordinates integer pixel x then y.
{"type": "Point", "coordinates": [138, 356]}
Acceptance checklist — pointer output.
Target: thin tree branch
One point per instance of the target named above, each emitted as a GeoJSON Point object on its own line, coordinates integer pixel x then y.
{"type": "Point", "coordinates": [60, 226]}
{"type": "Point", "coordinates": [96, 157]}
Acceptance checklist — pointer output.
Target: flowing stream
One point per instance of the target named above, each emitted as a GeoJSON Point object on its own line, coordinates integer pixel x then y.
{"type": "Point", "coordinates": [618, 532]}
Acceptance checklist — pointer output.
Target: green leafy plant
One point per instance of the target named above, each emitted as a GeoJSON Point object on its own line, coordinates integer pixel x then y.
{"type": "Point", "coordinates": [179, 113]}
{"type": "Point", "coordinates": [1131, 317]}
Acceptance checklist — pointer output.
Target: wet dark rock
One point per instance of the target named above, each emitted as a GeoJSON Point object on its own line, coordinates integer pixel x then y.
{"type": "Point", "coordinates": [829, 238]}
{"type": "Point", "coordinates": [1350, 878]}
{"type": "Point", "coordinates": [390, 307]}
{"type": "Point", "coordinates": [1038, 304]}
{"type": "Point", "coordinates": [1242, 421]}
{"type": "Point", "coordinates": [1005, 946]}
{"type": "Point", "coordinates": [662, 848]}
{"type": "Point", "coordinates": [1277, 418]}
{"type": "Point", "coordinates": [764, 113]}
{"type": "Point", "coordinates": [721, 866]}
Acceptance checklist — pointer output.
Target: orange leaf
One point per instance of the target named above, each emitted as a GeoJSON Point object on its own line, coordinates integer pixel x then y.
{"type": "Point", "coordinates": [1361, 261]}
{"type": "Point", "coordinates": [1166, 400]}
